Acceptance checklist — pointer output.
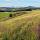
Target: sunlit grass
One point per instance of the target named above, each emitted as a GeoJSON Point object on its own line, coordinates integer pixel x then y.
{"type": "Point", "coordinates": [21, 27]}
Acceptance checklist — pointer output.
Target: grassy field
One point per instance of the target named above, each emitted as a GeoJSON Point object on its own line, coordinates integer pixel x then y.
{"type": "Point", "coordinates": [5, 15]}
{"type": "Point", "coordinates": [23, 27]}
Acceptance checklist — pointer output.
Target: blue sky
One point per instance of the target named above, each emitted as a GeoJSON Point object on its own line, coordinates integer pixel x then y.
{"type": "Point", "coordinates": [19, 3]}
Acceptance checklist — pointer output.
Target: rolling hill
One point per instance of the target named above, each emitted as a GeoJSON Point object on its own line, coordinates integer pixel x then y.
{"type": "Point", "coordinates": [23, 27]}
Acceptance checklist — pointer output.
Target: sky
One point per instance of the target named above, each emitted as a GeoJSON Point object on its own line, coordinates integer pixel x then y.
{"type": "Point", "coordinates": [19, 3]}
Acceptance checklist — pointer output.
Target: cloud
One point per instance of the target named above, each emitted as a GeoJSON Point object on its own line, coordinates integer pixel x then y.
{"type": "Point", "coordinates": [6, 5]}
{"type": "Point", "coordinates": [18, 3]}
{"type": "Point", "coordinates": [8, 0]}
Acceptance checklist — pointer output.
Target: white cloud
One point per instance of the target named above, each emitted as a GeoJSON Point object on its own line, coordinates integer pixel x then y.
{"type": "Point", "coordinates": [8, 0]}
{"type": "Point", "coordinates": [6, 5]}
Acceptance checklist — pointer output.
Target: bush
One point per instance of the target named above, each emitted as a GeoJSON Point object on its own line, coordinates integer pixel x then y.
{"type": "Point", "coordinates": [10, 15]}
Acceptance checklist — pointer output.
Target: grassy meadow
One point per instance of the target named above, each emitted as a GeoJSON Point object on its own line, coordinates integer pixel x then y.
{"type": "Point", "coordinates": [23, 27]}
{"type": "Point", "coordinates": [4, 15]}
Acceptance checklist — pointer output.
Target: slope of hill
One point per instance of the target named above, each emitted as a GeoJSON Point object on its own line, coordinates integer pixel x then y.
{"type": "Point", "coordinates": [24, 27]}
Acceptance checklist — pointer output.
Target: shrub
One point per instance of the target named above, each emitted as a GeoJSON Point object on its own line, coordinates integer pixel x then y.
{"type": "Point", "coordinates": [10, 15]}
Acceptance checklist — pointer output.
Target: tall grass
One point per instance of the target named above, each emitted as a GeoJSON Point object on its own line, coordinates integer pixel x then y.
{"type": "Point", "coordinates": [23, 27]}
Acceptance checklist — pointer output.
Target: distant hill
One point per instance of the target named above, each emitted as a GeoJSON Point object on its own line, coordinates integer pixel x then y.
{"type": "Point", "coordinates": [5, 9]}
{"type": "Point", "coordinates": [10, 9]}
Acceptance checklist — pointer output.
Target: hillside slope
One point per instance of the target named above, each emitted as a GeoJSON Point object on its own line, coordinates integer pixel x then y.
{"type": "Point", "coordinates": [24, 27]}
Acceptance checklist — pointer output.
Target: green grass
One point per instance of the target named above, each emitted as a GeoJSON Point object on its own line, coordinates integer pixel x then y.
{"type": "Point", "coordinates": [4, 14]}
